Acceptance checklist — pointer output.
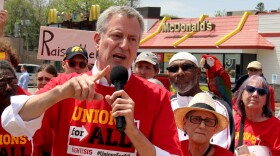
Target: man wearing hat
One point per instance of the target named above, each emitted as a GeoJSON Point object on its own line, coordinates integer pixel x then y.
{"type": "Point", "coordinates": [184, 74]}
{"type": "Point", "coordinates": [147, 66]}
{"type": "Point", "coordinates": [201, 121]}
{"type": "Point", "coordinates": [75, 60]}
{"type": "Point", "coordinates": [253, 68]}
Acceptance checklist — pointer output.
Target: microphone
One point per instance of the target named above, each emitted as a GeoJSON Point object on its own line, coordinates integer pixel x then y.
{"type": "Point", "coordinates": [118, 77]}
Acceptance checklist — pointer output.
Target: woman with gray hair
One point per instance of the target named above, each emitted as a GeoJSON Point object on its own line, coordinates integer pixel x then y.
{"type": "Point", "coordinates": [254, 122]}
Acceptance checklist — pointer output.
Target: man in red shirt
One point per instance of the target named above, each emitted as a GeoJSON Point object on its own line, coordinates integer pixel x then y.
{"type": "Point", "coordinates": [83, 121]}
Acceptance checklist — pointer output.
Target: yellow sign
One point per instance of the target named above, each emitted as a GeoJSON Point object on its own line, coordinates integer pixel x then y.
{"type": "Point", "coordinates": [2, 55]}
{"type": "Point", "coordinates": [167, 56]}
{"type": "Point", "coordinates": [182, 27]}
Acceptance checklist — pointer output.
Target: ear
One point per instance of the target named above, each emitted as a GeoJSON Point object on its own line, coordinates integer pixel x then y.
{"type": "Point", "coordinates": [96, 39]}
{"type": "Point", "coordinates": [63, 65]}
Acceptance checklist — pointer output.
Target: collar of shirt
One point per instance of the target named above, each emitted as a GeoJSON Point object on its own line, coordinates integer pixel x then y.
{"type": "Point", "coordinates": [103, 80]}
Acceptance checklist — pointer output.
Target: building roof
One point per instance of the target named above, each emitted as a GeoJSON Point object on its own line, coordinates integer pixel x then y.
{"type": "Point", "coordinates": [247, 38]}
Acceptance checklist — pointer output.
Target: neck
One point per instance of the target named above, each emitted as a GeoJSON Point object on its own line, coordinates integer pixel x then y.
{"type": "Point", "coordinates": [255, 116]}
{"type": "Point", "coordinates": [191, 92]}
{"type": "Point", "coordinates": [199, 149]}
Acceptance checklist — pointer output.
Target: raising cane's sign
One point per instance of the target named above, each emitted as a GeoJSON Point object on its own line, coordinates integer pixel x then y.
{"type": "Point", "coordinates": [53, 42]}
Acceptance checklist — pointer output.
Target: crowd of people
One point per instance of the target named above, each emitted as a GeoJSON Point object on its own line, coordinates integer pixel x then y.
{"type": "Point", "coordinates": [74, 113]}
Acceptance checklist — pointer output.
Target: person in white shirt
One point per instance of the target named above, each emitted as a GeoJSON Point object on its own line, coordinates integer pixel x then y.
{"type": "Point", "coordinates": [184, 74]}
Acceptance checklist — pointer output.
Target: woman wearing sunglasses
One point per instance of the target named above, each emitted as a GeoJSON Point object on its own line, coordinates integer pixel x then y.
{"type": "Point", "coordinates": [201, 121]}
{"type": "Point", "coordinates": [255, 124]}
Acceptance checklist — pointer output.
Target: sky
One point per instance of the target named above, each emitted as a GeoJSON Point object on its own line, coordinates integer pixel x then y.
{"type": "Point", "coordinates": [195, 8]}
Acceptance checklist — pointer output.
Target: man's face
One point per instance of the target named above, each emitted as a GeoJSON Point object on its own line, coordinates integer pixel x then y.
{"type": "Point", "coordinates": [253, 71]}
{"type": "Point", "coordinates": [119, 43]}
{"type": "Point", "coordinates": [76, 64]}
{"type": "Point", "coordinates": [8, 88]}
{"type": "Point", "coordinates": [145, 69]}
{"type": "Point", "coordinates": [184, 81]}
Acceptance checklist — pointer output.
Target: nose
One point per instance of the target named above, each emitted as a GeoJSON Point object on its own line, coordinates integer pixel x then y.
{"type": "Point", "coordinates": [202, 124]}
{"type": "Point", "coordinates": [180, 72]}
{"type": "Point", "coordinates": [124, 44]}
{"type": "Point", "coordinates": [9, 87]}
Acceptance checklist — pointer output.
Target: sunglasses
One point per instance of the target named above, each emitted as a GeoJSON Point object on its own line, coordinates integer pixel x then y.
{"type": "Point", "coordinates": [73, 64]}
{"type": "Point", "coordinates": [184, 67]}
{"type": "Point", "coordinates": [44, 78]}
{"type": "Point", "coordinates": [260, 91]}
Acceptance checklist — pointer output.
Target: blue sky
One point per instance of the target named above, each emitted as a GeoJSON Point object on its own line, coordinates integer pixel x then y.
{"type": "Point", "coordinates": [194, 8]}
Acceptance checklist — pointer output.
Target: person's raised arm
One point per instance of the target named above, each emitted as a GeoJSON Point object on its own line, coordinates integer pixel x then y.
{"type": "Point", "coordinates": [81, 87]}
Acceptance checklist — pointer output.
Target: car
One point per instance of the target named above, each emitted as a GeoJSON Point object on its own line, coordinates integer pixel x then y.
{"type": "Point", "coordinates": [31, 69]}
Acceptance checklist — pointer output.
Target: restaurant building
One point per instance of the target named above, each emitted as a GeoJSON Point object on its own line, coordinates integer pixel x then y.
{"type": "Point", "coordinates": [234, 40]}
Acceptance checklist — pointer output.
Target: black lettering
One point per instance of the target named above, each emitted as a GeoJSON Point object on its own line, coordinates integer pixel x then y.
{"type": "Point", "coordinates": [62, 52]}
{"type": "Point", "coordinates": [109, 137]}
{"type": "Point", "coordinates": [53, 52]}
{"type": "Point", "coordinates": [45, 42]}
{"type": "Point", "coordinates": [122, 141]}
{"type": "Point", "coordinates": [97, 134]}
{"type": "Point", "coordinates": [4, 152]}
{"type": "Point", "coordinates": [22, 150]}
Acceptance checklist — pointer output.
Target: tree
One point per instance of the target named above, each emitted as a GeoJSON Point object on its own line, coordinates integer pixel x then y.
{"type": "Point", "coordinates": [22, 22]}
{"type": "Point", "coordinates": [260, 7]}
{"type": "Point", "coordinates": [81, 6]}
{"type": "Point", "coordinates": [36, 11]}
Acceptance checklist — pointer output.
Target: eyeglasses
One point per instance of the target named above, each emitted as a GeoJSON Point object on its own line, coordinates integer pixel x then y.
{"type": "Point", "coordinates": [73, 64]}
{"type": "Point", "coordinates": [184, 67]}
{"type": "Point", "coordinates": [207, 121]}
{"type": "Point", "coordinates": [43, 78]}
{"type": "Point", "coordinates": [260, 91]}
{"type": "Point", "coordinates": [12, 81]}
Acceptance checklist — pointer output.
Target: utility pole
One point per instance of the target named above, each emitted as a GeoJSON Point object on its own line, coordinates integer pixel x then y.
{"type": "Point", "coordinates": [131, 3]}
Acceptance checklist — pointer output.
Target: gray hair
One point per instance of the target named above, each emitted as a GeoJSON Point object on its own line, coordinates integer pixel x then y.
{"type": "Point", "coordinates": [263, 83]}
{"type": "Point", "coordinates": [102, 22]}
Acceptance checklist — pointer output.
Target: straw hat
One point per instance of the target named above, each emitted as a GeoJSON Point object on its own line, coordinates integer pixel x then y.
{"type": "Point", "coordinates": [200, 102]}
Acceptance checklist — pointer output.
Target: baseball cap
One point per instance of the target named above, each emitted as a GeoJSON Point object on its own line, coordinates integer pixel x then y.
{"type": "Point", "coordinates": [148, 57]}
{"type": "Point", "coordinates": [255, 65]}
{"type": "Point", "coordinates": [75, 50]}
{"type": "Point", "coordinates": [184, 56]}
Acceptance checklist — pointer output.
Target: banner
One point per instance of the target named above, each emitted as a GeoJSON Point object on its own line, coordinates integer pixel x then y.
{"type": "Point", "coordinates": [53, 42]}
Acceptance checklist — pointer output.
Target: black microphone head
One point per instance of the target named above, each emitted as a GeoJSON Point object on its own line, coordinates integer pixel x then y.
{"type": "Point", "coordinates": [119, 74]}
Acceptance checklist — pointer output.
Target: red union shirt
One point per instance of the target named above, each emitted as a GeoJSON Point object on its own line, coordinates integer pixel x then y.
{"type": "Point", "coordinates": [87, 128]}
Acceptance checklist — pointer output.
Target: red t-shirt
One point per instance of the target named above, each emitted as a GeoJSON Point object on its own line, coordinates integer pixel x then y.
{"type": "Point", "coordinates": [219, 151]}
{"type": "Point", "coordinates": [18, 146]}
{"type": "Point", "coordinates": [266, 133]}
{"type": "Point", "coordinates": [82, 127]}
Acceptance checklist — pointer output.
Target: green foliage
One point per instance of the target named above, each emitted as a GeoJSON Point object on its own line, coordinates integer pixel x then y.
{"type": "Point", "coordinates": [80, 6]}
{"type": "Point", "coordinates": [20, 11]}
{"type": "Point", "coordinates": [260, 7]}
{"type": "Point", "coordinates": [36, 11]}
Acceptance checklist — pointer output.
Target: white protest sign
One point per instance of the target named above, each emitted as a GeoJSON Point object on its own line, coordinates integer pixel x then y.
{"type": "Point", "coordinates": [53, 42]}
